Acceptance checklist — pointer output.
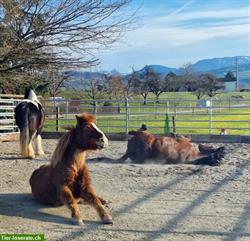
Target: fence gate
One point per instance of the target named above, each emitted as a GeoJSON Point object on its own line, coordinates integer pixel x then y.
{"type": "Point", "coordinates": [7, 119]}
{"type": "Point", "coordinates": [8, 128]}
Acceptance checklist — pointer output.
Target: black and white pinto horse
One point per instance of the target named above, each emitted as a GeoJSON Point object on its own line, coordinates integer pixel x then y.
{"type": "Point", "coordinates": [30, 116]}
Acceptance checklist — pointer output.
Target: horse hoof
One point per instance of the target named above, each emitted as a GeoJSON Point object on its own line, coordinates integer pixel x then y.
{"type": "Point", "coordinates": [31, 157]}
{"type": "Point", "coordinates": [107, 220]}
{"type": "Point", "coordinates": [78, 222]}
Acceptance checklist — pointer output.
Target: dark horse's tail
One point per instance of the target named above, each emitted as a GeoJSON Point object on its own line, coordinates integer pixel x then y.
{"type": "Point", "coordinates": [212, 159]}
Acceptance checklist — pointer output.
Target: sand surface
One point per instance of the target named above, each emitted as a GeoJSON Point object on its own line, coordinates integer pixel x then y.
{"type": "Point", "coordinates": [148, 202]}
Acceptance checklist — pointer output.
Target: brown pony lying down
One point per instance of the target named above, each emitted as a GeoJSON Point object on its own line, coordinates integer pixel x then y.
{"type": "Point", "coordinates": [66, 180]}
{"type": "Point", "coordinates": [143, 147]}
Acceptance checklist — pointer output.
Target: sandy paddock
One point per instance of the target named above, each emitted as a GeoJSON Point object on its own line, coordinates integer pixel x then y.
{"type": "Point", "coordinates": [148, 202]}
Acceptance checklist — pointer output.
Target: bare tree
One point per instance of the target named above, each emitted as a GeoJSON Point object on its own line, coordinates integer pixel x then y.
{"type": "Point", "coordinates": [37, 33]}
{"type": "Point", "coordinates": [188, 75]}
{"type": "Point", "coordinates": [156, 85]}
{"type": "Point", "coordinates": [206, 84]}
{"type": "Point", "coordinates": [131, 84]}
{"type": "Point", "coordinates": [94, 90]}
{"type": "Point", "coordinates": [196, 86]}
{"type": "Point", "coordinates": [144, 83]}
{"type": "Point", "coordinates": [144, 90]}
{"type": "Point", "coordinates": [212, 86]}
{"type": "Point", "coordinates": [54, 81]}
{"type": "Point", "coordinates": [114, 87]}
{"type": "Point", "coordinates": [173, 82]}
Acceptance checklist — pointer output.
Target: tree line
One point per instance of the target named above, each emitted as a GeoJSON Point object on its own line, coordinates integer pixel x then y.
{"type": "Point", "coordinates": [142, 83]}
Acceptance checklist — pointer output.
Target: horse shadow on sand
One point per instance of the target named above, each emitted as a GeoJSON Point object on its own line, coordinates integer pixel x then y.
{"type": "Point", "coordinates": [104, 159]}
{"type": "Point", "coordinates": [23, 205]}
{"type": "Point", "coordinates": [16, 157]}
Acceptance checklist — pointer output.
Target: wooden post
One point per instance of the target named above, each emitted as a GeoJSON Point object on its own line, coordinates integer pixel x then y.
{"type": "Point", "coordinates": [67, 111]}
{"type": "Point", "coordinates": [126, 115]}
{"type": "Point", "coordinates": [167, 126]}
{"type": "Point", "coordinates": [173, 123]}
{"type": "Point", "coordinates": [57, 118]}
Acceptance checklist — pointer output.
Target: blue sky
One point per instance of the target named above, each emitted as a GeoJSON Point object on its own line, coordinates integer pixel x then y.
{"type": "Point", "coordinates": [174, 32]}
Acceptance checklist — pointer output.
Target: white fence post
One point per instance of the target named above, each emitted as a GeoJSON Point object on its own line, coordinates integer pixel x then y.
{"type": "Point", "coordinates": [67, 111]}
{"type": "Point", "coordinates": [210, 117]}
{"type": "Point", "coordinates": [127, 115]}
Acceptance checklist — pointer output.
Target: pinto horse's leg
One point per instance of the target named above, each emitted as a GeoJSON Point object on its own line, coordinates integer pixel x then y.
{"type": "Point", "coordinates": [68, 198]}
{"type": "Point", "coordinates": [89, 196]}
{"type": "Point", "coordinates": [38, 145]}
{"type": "Point", "coordinates": [31, 153]}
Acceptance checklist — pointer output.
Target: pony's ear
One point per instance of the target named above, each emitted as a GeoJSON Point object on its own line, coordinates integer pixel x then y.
{"type": "Point", "coordinates": [79, 120]}
{"type": "Point", "coordinates": [85, 118]}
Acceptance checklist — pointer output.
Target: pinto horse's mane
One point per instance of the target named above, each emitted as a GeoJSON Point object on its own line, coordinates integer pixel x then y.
{"type": "Point", "coordinates": [65, 139]}
{"type": "Point", "coordinates": [30, 94]}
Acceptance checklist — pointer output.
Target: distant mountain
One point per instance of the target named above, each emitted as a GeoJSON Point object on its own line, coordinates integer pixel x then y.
{"type": "Point", "coordinates": [217, 66]}
{"type": "Point", "coordinates": [160, 69]}
{"type": "Point", "coordinates": [79, 79]}
{"type": "Point", "coordinates": [206, 65]}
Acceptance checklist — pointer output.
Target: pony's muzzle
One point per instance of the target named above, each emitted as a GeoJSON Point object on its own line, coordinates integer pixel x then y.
{"type": "Point", "coordinates": [102, 142]}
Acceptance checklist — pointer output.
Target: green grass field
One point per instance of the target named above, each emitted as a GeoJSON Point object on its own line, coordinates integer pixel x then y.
{"type": "Point", "coordinates": [231, 113]}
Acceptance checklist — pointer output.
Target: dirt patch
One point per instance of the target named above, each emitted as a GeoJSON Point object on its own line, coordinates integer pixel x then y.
{"type": "Point", "coordinates": [148, 202]}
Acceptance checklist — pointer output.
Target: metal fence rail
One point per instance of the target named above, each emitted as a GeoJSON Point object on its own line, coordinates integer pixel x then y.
{"type": "Point", "coordinates": [181, 116]}
{"type": "Point", "coordinates": [7, 119]}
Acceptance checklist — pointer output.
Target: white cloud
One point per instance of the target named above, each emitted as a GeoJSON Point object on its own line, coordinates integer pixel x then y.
{"type": "Point", "coordinates": [198, 15]}
{"type": "Point", "coordinates": [165, 32]}
{"type": "Point", "coordinates": [182, 30]}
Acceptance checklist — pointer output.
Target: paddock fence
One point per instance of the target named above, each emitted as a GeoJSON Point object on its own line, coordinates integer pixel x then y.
{"type": "Point", "coordinates": [183, 116]}
{"type": "Point", "coordinates": [7, 118]}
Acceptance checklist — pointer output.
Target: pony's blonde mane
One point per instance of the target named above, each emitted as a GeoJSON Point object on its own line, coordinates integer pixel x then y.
{"type": "Point", "coordinates": [60, 149]}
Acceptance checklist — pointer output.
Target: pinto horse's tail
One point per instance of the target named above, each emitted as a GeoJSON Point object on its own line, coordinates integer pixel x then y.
{"type": "Point", "coordinates": [212, 159]}
{"type": "Point", "coordinates": [22, 120]}
{"type": "Point", "coordinates": [24, 136]}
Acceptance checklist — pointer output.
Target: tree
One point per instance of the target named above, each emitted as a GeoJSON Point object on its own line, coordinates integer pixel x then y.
{"type": "Point", "coordinates": [230, 76]}
{"type": "Point", "coordinates": [94, 90]}
{"type": "Point", "coordinates": [144, 89]}
{"type": "Point", "coordinates": [54, 80]}
{"type": "Point", "coordinates": [114, 88]}
{"type": "Point", "coordinates": [144, 83]}
{"type": "Point", "coordinates": [173, 82]}
{"type": "Point", "coordinates": [211, 84]}
{"type": "Point", "coordinates": [188, 76]}
{"type": "Point", "coordinates": [196, 85]}
{"type": "Point", "coordinates": [63, 33]}
{"type": "Point", "coordinates": [205, 84]}
{"type": "Point", "coordinates": [156, 85]}
{"type": "Point", "coordinates": [131, 84]}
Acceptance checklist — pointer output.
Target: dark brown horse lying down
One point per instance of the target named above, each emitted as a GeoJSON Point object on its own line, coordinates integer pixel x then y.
{"type": "Point", "coordinates": [66, 180]}
{"type": "Point", "coordinates": [143, 147]}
